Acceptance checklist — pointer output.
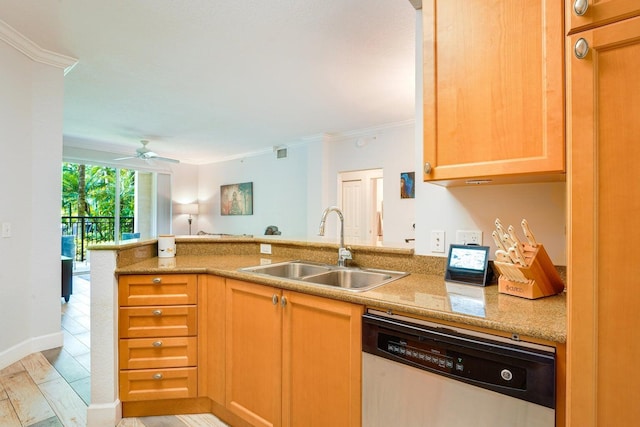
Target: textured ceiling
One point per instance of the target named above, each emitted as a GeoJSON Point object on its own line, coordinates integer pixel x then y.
{"type": "Point", "coordinates": [206, 80]}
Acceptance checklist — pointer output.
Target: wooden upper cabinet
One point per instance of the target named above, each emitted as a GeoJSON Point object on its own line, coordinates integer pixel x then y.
{"type": "Point", "coordinates": [586, 14]}
{"type": "Point", "coordinates": [493, 90]}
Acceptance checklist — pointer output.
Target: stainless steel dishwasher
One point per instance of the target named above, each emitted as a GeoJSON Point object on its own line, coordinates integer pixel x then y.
{"type": "Point", "coordinates": [421, 374]}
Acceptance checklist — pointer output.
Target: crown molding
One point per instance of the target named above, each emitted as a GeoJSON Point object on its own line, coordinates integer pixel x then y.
{"type": "Point", "coordinates": [13, 38]}
{"type": "Point", "coordinates": [370, 131]}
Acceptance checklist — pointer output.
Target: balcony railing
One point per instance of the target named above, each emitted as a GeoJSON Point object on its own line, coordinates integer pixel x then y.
{"type": "Point", "coordinates": [78, 232]}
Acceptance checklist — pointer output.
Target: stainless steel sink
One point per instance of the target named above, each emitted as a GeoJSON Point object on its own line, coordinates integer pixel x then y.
{"type": "Point", "coordinates": [289, 270]}
{"type": "Point", "coordinates": [346, 278]}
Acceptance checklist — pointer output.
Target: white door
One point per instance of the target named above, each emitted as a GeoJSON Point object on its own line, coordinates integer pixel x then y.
{"type": "Point", "coordinates": [353, 210]}
{"type": "Point", "coordinates": [360, 196]}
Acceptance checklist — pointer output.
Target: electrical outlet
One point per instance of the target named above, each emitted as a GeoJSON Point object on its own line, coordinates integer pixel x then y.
{"type": "Point", "coordinates": [437, 241]}
{"type": "Point", "coordinates": [469, 237]}
{"type": "Point", "coordinates": [265, 248]}
{"type": "Point", "coordinates": [6, 229]}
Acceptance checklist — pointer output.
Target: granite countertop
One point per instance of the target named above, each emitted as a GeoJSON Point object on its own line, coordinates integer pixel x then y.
{"type": "Point", "coordinates": [424, 295]}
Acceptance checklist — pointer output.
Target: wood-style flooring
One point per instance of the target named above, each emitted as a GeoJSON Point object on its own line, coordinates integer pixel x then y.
{"type": "Point", "coordinates": [52, 388]}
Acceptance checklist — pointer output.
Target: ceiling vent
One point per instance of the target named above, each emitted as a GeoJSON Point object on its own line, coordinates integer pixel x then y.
{"type": "Point", "coordinates": [281, 153]}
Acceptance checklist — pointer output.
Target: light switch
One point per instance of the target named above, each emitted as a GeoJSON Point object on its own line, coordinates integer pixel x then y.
{"type": "Point", "coordinates": [6, 229]}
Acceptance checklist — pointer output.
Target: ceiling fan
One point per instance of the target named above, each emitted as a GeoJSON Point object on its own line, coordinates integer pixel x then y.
{"type": "Point", "coordinates": [145, 154]}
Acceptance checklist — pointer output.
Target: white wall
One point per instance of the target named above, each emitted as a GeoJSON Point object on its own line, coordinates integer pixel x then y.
{"type": "Point", "coordinates": [389, 148]}
{"type": "Point", "coordinates": [184, 188]}
{"type": "Point", "coordinates": [279, 194]}
{"type": "Point", "coordinates": [30, 167]}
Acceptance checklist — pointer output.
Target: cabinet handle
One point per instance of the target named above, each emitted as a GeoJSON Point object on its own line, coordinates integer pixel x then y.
{"type": "Point", "coordinates": [157, 312]}
{"type": "Point", "coordinates": [157, 280]}
{"type": "Point", "coordinates": [157, 376]}
{"type": "Point", "coordinates": [581, 48]}
{"type": "Point", "coordinates": [274, 299]}
{"type": "Point", "coordinates": [427, 168]}
{"type": "Point", "coordinates": [283, 301]}
{"type": "Point", "coordinates": [580, 7]}
{"type": "Point", "coordinates": [157, 344]}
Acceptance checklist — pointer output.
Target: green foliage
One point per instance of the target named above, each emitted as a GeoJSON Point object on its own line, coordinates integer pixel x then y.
{"type": "Point", "coordinates": [99, 190]}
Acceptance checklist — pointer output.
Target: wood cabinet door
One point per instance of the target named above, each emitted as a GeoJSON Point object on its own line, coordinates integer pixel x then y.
{"type": "Point", "coordinates": [493, 89]}
{"type": "Point", "coordinates": [211, 341]}
{"type": "Point", "coordinates": [586, 14]}
{"type": "Point", "coordinates": [604, 204]}
{"type": "Point", "coordinates": [322, 361]}
{"type": "Point", "coordinates": [254, 352]}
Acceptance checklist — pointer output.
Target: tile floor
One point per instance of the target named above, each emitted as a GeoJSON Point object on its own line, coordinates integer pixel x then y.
{"type": "Point", "coordinates": [52, 388]}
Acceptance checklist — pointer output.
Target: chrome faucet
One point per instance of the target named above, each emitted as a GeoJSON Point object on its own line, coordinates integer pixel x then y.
{"type": "Point", "coordinates": [343, 253]}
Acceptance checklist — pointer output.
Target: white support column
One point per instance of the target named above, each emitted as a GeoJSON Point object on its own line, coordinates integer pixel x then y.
{"type": "Point", "coordinates": [105, 408]}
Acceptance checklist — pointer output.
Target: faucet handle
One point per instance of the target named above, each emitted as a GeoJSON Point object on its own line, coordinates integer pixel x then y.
{"type": "Point", "coordinates": [345, 253]}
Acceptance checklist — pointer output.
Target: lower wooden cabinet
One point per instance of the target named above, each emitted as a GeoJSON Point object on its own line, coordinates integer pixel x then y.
{"type": "Point", "coordinates": [292, 359]}
{"type": "Point", "coordinates": [253, 355]}
{"type": "Point", "coordinates": [158, 345]}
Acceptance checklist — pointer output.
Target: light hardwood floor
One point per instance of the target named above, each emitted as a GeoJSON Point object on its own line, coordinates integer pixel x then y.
{"type": "Point", "coordinates": [52, 388]}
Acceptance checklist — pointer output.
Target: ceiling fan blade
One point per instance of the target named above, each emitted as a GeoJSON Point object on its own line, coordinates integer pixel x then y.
{"type": "Point", "coordinates": [143, 153]}
{"type": "Point", "coordinates": [166, 159]}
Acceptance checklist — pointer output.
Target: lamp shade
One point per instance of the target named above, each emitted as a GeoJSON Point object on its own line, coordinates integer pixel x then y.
{"type": "Point", "coordinates": [188, 208]}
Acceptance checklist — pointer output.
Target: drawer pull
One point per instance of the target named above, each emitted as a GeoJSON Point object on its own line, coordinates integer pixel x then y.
{"type": "Point", "coordinates": [157, 312]}
{"type": "Point", "coordinates": [157, 280]}
{"type": "Point", "coordinates": [157, 376]}
{"type": "Point", "coordinates": [580, 7]}
{"type": "Point", "coordinates": [581, 48]}
{"type": "Point", "coordinates": [157, 344]}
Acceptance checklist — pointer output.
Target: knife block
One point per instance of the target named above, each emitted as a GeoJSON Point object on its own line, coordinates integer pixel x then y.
{"type": "Point", "coordinates": [539, 278]}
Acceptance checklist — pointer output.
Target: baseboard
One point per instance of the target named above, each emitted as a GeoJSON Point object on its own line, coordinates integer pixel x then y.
{"type": "Point", "coordinates": [29, 346]}
{"type": "Point", "coordinates": [104, 414]}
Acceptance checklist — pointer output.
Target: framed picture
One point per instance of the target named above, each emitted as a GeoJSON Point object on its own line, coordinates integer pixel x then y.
{"type": "Point", "coordinates": [407, 187]}
{"type": "Point", "coordinates": [236, 199]}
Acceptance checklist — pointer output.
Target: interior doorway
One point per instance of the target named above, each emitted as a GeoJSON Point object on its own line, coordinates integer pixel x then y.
{"type": "Point", "coordinates": [360, 197]}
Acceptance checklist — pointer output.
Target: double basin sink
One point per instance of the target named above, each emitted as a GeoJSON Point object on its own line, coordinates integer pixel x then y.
{"type": "Point", "coordinates": [346, 278]}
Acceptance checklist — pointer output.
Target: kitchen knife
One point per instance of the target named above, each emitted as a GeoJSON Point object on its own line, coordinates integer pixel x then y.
{"type": "Point", "coordinates": [500, 228]}
{"type": "Point", "coordinates": [527, 232]}
{"type": "Point", "coordinates": [512, 234]}
{"type": "Point", "coordinates": [503, 256]}
{"type": "Point", "coordinates": [508, 241]}
{"type": "Point", "coordinates": [515, 253]}
{"type": "Point", "coordinates": [497, 241]}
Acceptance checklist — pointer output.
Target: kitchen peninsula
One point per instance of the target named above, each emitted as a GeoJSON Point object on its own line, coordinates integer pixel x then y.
{"type": "Point", "coordinates": [212, 262]}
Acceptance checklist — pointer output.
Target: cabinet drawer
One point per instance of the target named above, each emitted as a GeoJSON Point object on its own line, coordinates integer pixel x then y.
{"type": "Point", "coordinates": [158, 321]}
{"type": "Point", "coordinates": [167, 289]}
{"type": "Point", "coordinates": [600, 12]}
{"type": "Point", "coordinates": [152, 384]}
{"type": "Point", "coordinates": [145, 353]}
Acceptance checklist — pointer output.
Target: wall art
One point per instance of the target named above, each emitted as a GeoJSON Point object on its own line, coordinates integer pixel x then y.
{"type": "Point", "coordinates": [236, 199]}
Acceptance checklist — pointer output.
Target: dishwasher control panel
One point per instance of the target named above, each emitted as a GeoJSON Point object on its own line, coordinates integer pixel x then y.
{"type": "Point", "coordinates": [428, 353]}
{"type": "Point", "coordinates": [507, 368]}
{"type": "Point", "coordinates": [435, 360]}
